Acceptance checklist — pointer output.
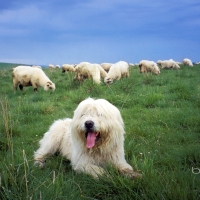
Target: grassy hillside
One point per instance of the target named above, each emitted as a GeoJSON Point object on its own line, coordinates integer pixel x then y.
{"type": "Point", "coordinates": [162, 123]}
{"type": "Point", "coordinates": [7, 66]}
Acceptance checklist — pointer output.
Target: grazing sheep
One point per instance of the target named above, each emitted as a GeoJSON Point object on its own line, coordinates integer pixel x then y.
{"type": "Point", "coordinates": [51, 66]}
{"type": "Point", "coordinates": [149, 66]}
{"type": "Point", "coordinates": [67, 67]}
{"type": "Point", "coordinates": [169, 64]}
{"type": "Point", "coordinates": [29, 76]}
{"type": "Point", "coordinates": [86, 70]}
{"type": "Point", "coordinates": [106, 66]}
{"type": "Point", "coordinates": [159, 62]}
{"type": "Point", "coordinates": [103, 73]}
{"type": "Point", "coordinates": [117, 71]}
{"type": "Point", "coordinates": [77, 68]}
{"type": "Point", "coordinates": [57, 66]}
{"type": "Point", "coordinates": [188, 62]}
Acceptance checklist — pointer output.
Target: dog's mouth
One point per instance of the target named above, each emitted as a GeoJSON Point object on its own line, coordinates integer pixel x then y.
{"type": "Point", "coordinates": [91, 138]}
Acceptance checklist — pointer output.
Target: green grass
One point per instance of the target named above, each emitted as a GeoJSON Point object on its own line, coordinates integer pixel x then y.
{"type": "Point", "coordinates": [162, 123]}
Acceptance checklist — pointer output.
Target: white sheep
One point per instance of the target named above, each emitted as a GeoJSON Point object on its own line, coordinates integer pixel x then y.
{"type": "Point", "coordinates": [103, 73]}
{"type": "Point", "coordinates": [117, 71]}
{"type": "Point", "coordinates": [159, 62]}
{"type": "Point", "coordinates": [51, 66]}
{"type": "Point", "coordinates": [106, 66]}
{"type": "Point", "coordinates": [169, 64]}
{"type": "Point", "coordinates": [29, 76]}
{"type": "Point", "coordinates": [68, 67]}
{"type": "Point", "coordinates": [188, 62]}
{"type": "Point", "coordinates": [86, 70]}
{"type": "Point", "coordinates": [57, 66]}
{"type": "Point", "coordinates": [149, 66]}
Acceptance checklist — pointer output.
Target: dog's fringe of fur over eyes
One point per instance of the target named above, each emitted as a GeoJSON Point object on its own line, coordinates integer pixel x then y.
{"type": "Point", "coordinates": [93, 138]}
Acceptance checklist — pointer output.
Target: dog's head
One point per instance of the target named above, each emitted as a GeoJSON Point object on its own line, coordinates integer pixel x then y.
{"type": "Point", "coordinates": [96, 122]}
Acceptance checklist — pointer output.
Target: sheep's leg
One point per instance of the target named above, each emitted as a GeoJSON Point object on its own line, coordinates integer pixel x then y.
{"type": "Point", "coordinates": [128, 74]}
{"type": "Point", "coordinates": [15, 84]}
{"type": "Point", "coordinates": [21, 87]}
{"type": "Point", "coordinates": [15, 88]}
{"type": "Point", "coordinates": [34, 86]}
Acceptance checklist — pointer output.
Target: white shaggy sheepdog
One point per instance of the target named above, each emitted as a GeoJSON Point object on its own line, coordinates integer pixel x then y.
{"type": "Point", "coordinates": [91, 140]}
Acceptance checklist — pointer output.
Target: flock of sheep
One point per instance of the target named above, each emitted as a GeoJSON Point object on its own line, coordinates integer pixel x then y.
{"type": "Point", "coordinates": [24, 76]}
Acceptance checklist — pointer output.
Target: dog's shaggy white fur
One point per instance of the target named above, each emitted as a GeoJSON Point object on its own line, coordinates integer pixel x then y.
{"type": "Point", "coordinates": [93, 139]}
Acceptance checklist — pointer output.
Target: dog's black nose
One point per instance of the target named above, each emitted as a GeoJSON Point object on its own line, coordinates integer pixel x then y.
{"type": "Point", "coordinates": [89, 124]}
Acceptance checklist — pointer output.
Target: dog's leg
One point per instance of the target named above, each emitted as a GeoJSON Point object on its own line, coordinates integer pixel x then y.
{"type": "Point", "coordinates": [52, 140]}
{"type": "Point", "coordinates": [42, 154]}
{"type": "Point", "coordinates": [90, 169]}
{"type": "Point", "coordinates": [40, 158]}
{"type": "Point", "coordinates": [48, 147]}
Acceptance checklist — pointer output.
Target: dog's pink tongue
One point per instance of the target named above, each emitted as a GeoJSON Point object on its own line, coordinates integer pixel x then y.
{"type": "Point", "coordinates": [90, 140]}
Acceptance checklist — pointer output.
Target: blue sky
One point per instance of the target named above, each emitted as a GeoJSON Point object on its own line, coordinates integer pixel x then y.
{"type": "Point", "coordinates": [71, 31]}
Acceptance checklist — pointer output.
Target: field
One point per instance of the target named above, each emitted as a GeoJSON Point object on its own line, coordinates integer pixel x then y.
{"type": "Point", "coordinates": [162, 122]}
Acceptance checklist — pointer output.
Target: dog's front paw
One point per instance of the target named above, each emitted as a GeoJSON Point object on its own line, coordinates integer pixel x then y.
{"type": "Point", "coordinates": [39, 163]}
{"type": "Point", "coordinates": [134, 175]}
{"type": "Point", "coordinates": [130, 173]}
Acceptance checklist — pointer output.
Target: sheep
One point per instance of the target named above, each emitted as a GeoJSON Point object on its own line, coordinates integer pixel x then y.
{"type": "Point", "coordinates": [77, 68]}
{"type": "Point", "coordinates": [51, 66]}
{"type": "Point", "coordinates": [149, 66]}
{"type": "Point", "coordinates": [57, 66]}
{"type": "Point", "coordinates": [86, 70]}
{"type": "Point", "coordinates": [103, 73]}
{"type": "Point", "coordinates": [29, 76]}
{"type": "Point", "coordinates": [169, 64]}
{"type": "Point", "coordinates": [106, 66]}
{"type": "Point", "coordinates": [117, 71]}
{"type": "Point", "coordinates": [188, 62]}
{"type": "Point", "coordinates": [159, 62]}
{"type": "Point", "coordinates": [67, 67]}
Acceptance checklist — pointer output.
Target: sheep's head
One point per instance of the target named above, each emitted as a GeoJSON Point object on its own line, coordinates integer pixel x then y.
{"type": "Point", "coordinates": [142, 68]}
{"type": "Point", "coordinates": [108, 80]}
{"type": "Point", "coordinates": [157, 71]}
{"type": "Point", "coordinates": [50, 86]}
